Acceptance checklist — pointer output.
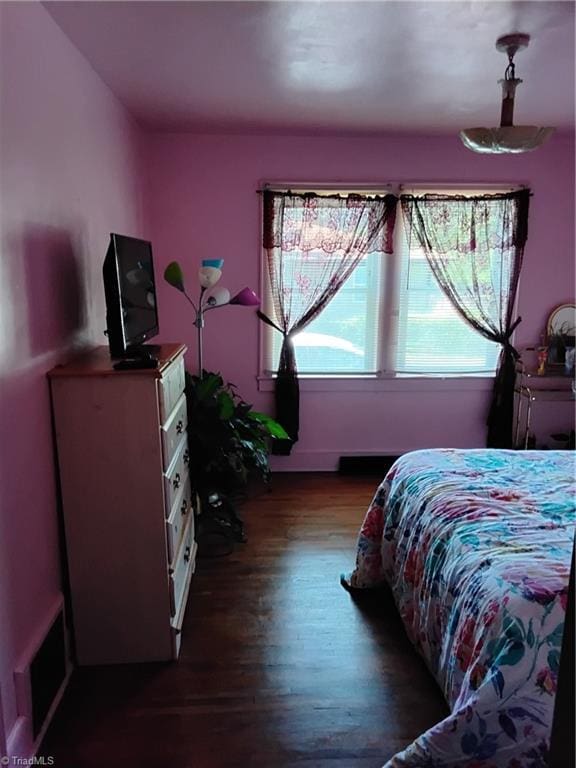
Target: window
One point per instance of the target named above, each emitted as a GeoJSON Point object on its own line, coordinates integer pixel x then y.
{"type": "Point", "coordinates": [432, 337]}
{"type": "Point", "coordinates": [389, 318]}
{"type": "Point", "coordinates": [343, 338]}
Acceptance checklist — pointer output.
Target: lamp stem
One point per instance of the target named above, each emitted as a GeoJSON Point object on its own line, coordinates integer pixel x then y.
{"type": "Point", "coordinates": [200, 361]}
{"type": "Point", "coordinates": [190, 300]}
{"type": "Point", "coordinates": [200, 325]}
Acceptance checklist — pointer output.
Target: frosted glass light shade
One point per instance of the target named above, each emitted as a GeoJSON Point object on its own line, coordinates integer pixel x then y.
{"type": "Point", "coordinates": [218, 297]}
{"type": "Point", "coordinates": [509, 139]}
{"type": "Point", "coordinates": [209, 276]}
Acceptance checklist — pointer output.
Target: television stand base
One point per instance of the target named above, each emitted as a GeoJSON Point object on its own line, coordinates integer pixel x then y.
{"type": "Point", "coordinates": [135, 363]}
{"type": "Point", "coordinates": [142, 351]}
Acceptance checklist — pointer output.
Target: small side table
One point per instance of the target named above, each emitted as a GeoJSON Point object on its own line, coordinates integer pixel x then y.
{"type": "Point", "coordinates": [532, 388]}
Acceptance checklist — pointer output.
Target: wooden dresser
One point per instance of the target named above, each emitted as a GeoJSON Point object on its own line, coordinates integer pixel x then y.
{"type": "Point", "coordinates": [127, 504]}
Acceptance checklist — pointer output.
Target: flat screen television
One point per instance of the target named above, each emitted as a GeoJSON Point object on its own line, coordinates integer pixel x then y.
{"type": "Point", "coordinates": [130, 290]}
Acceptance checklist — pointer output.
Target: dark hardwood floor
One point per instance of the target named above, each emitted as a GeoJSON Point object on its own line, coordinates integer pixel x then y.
{"type": "Point", "coordinates": [279, 665]}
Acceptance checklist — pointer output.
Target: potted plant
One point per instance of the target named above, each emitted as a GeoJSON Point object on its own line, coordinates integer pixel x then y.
{"type": "Point", "coordinates": [228, 447]}
{"type": "Point", "coordinates": [558, 342]}
{"type": "Point", "coordinates": [229, 441]}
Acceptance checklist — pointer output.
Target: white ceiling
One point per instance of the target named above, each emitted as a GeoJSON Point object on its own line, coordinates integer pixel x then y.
{"type": "Point", "coordinates": [349, 66]}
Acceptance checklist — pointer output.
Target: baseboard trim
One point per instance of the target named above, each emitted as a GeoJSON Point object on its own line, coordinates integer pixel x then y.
{"type": "Point", "coordinates": [323, 461]}
{"type": "Point", "coordinates": [366, 465]}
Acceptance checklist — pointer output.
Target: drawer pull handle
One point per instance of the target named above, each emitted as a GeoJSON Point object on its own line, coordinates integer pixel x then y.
{"type": "Point", "coordinates": [180, 427]}
{"type": "Point", "coordinates": [184, 508]}
{"type": "Point", "coordinates": [176, 481]}
{"type": "Point", "coordinates": [186, 457]}
{"type": "Point", "coordinates": [187, 555]}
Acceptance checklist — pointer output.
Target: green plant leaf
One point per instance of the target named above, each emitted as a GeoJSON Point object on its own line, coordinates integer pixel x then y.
{"type": "Point", "coordinates": [275, 429]}
{"type": "Point", "coordinates": [207, 386]}
{"type": "Point", "coordinates": [225, 405]}
{"type": "Point", "coordinates": [243, 410]}
{"type": "Point", "coordinates": [229, 445]}
{"type": "Point", "coordinates": [174, 276]}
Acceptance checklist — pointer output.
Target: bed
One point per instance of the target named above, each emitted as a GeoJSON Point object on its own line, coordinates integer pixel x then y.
{"type": "Point", "coordinates": [476, 547]}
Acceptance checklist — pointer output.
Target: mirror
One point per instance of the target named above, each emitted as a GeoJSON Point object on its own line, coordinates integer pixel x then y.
{"type": "Point", "coordinates": [561, 337]}
{"type": "Point", "coordinates": [562, 322]}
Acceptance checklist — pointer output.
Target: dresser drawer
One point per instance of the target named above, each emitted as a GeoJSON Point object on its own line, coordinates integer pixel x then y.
{"type": "Point", "coordinates": [173, 430]}
{"type": "Point", "coordinates": [177, 474]}
{"type": "Point", "coordinates": [178, 617]}
{"type": "Point", "coordinates": [170, 387]}
{"type": "Point", "coordinates": [183, 568]}
{"type": "Point", "coordinates": [181, 512]}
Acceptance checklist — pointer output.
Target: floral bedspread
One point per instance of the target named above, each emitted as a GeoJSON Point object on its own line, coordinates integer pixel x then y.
{"type": "Point", "coordinates": [476, 546]}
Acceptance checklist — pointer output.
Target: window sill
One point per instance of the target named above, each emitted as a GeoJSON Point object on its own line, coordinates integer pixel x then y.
{"type": "Point", "coordinates": [399, 383]}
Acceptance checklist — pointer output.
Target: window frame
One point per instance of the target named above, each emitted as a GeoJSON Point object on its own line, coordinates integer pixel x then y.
{"type": "Point", "coordinates": [385, 377]}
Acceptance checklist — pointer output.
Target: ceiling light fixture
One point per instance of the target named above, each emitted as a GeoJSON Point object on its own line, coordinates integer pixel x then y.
{"type": "Point", "coordinates": [508, 138]}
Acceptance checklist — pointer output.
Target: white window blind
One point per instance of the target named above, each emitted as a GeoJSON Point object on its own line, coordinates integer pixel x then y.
{"type": "Point", "coordinates": [343, 339]}
{"type": "Point", "coordinates": [433, 338]}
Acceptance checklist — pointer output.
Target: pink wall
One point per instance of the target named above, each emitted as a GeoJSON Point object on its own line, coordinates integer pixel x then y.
{"type": "Point", "coordinates": [68, 171]}
{"type": "Point", "coordinates": [203, 203]}
{"type": "Point", "coordinates": [70, 164]}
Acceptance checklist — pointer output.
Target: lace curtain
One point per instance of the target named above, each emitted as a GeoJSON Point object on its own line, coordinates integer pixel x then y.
{"type": "Point", "coordinates": [475, 246]}
{"type": "Point", "coordinates": [312, 245]}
